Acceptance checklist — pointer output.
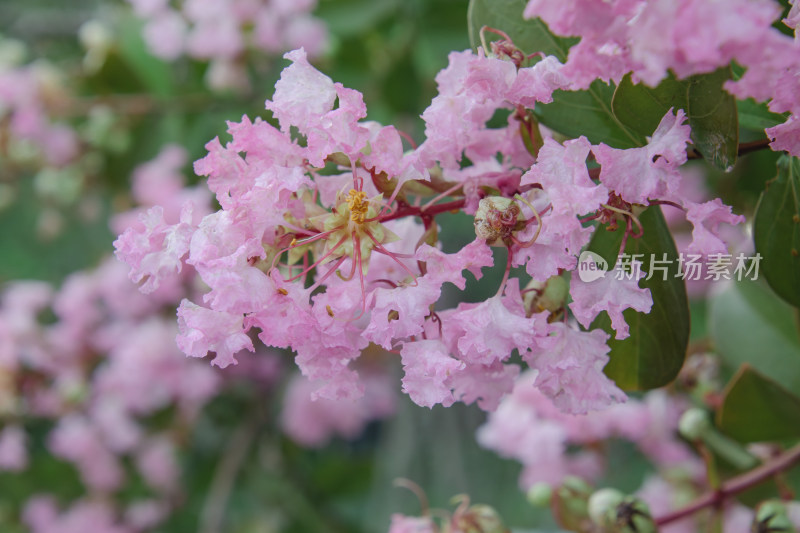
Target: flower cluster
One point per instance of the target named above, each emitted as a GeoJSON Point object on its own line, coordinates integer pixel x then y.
{"type": "Point", "coordinates": [648, 39]}
{"type": "Point", "coordinates": [318, 244]}
{"type": "Point", "coordinates": [29, 97]}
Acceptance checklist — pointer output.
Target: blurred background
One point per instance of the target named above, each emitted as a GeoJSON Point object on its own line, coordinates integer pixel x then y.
{"type": "Point", "coordinates": [89, 91]}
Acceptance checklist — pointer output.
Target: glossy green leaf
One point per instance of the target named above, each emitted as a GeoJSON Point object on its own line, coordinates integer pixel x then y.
{"type": "Point", "coordinates": [654, 353]}
{"type": "Point", "coordinates": [748, 323]}
{"type": "Point", "coordinates": [757, 409]}
{"type": "Point", "coordinates": [572, 113]}
{"type": "Point", "coordinates": [711, 111]}
{"type": "Point", "coordinates": [776, 231]}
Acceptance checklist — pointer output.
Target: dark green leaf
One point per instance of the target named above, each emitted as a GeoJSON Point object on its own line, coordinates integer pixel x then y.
{"type": "Point", "coordinates": [654, 353]}
{"type": "Point", "coordinates": [711, 111]}
{"type": "Point", "coordinates": [528, 35]}
{"type": "Point", "coordinates": [776, 231]}
{"type": "Point", "coordinates": [748, 323]}
{"type": "Point", "coordinates": [713, 118]}
{"type": "Point", "coordinates": [573, 113]}
{"type": "Point", "coordinates": [757, 409]}
{"type": "Point", "coordinates": [588, 113]}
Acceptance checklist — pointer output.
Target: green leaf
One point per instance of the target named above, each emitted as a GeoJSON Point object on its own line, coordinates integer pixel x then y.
{"type": "Point", "coordinates": [589, 113]}
{"type": "Point", "coordinates": [776, 231]}
{"type": "Point", "coordinates": [530, 36]}
{"type": "Point", "coordinates": [654, 353]}
{"type": "Point", "coordinates": [154, 73]}
{"type": "Point", "coordinates": [748, 323]}
{"type": "Point", "coordinates": [711, 111]}
{"type": "Point", "coordinates": [757, 116]}
{"type": "Point", "coordinates": [757, 409]}
{"type": "Point", "coordinates": [572, 113]}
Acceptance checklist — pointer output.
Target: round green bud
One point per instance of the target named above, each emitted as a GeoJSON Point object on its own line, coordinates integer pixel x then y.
{"type": "Point", "coordinates": [694, 423]}
{"type": "Point", "coordinates": [540, 495]}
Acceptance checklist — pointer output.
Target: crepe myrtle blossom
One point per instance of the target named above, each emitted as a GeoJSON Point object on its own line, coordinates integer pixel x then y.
{"type": "Point", "coordinates": [326, 239]}
{"type": "Point", "coordinates": [648, 39]}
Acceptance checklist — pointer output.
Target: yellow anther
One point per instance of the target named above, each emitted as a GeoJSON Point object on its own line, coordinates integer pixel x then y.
{"type": "Point", "coordinates": [283, 291]}
{"type": "Point", "coordinates": [329, 310]}
{"type": "Point", "coordinates": [358, 204]}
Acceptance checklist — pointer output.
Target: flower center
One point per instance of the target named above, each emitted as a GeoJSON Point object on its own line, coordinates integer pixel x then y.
{"type": "Point", "coordinates": [358, 204]}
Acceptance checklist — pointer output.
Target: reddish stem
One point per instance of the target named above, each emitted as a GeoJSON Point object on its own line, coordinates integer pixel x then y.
{"type": "Point", "coordinates": [411, 210]}
{"type": "Point", "coordinates": [736, 485]}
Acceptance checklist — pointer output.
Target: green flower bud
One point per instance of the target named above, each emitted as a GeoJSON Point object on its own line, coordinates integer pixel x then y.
{"type": "Point", "coordinates": [694, 424]}
{"type": "Point", "coordinates": [615, 512]}
{"type": "Point", "coordinates": [540, 495]}
{"type": "Point", "coordinates": [772, 516]}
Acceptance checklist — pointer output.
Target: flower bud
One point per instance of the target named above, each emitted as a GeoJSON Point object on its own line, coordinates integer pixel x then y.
{"type": "Point", "coordinates": [480, 518]}
{"type": "Point", "coordinates": [496, 219]}
{"type": "Point", "coordinates": [570, 504]}
{"type": "Point", "coordinates": [540, 495]}
{"type": "Point", "coordinates": [772, 515]}
{"type": "Point", "coordinates": [694, 424]}
{"type": "Point", "coordinates": [615, 512]}
{"type": "Point", "coordinates": [603, 506]}
{"type": "Point", "coordinates": [12, 53]}
{"type": "Point", "coordinates": [548, 296]}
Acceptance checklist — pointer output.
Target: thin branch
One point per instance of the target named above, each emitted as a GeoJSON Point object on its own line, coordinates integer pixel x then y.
{"type": "Point", "coordinates": [744, 148]}
{"type": "Point", "coordinates": [434, 210]}
{"type": "Point", "coordinates": [736, 485]}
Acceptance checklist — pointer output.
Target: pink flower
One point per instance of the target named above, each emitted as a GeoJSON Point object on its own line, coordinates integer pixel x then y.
{"type": "Point", "coordinates": [611, 295]}
{"type": "Point", "coordinates": [561, 170]}
{"type": "Point", "coordinates": [484, 384]}
{"type": "Point", "coordinates": [165, 35]}
{"type": "Point", "coordinates": [204, 330]}
{"type": "Point", "coordinates": [786, 136]}
{"type": "Point", "coordinates": [649, 172]}
{"type": "Point", "coordinates": [537, 83]}
{"type": "Point", "coordinates": [157, 464]}
{"type": "Point", "coordinates": [313, 423]}
{"type": "Point", "coordinates": [13, 449]}
{"type": "Point", "coordinates": [490, 331]}
{"type": "Point", "coordinates": [154, 249]}
{"type": "Point", "coordinates": [428, 368]}
{"type": "Point", "coordinates": [706, 219]}
{"type": "Point", "coordinates": [75, 440]}
{"type": "Point", "coordinates": [570, 364]}
{"type": "Point", "coordinates": [302, 95]}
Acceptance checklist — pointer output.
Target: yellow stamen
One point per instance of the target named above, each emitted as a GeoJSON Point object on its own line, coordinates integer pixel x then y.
{"type": "Point", "coordinates": [329, 310]}
{"type": "Point", "coordinates": [358, 204]}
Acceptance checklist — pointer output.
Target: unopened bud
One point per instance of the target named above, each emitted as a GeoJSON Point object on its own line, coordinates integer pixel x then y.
{"type": "Point", "coordinates": [694, 424]}
{"type": "Point", "coordinates": [480, 518]}
{"type": "Point", "coordinates": [548, 296]}
{"type": "Point", "coordinates": [772, 515]}
{"type": "Point", "coordinates": [570, 503]}
{"type": "Point", "coordinates": [540, 495]}
{"type": "Point", "coordinates": [12, 53]}
{"type": "Point", "coordinates": [614, 512]}
{"type": "Point", "coordinates": [496, 219]}
{"type": "Point", "coordinates": [603, 506]}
